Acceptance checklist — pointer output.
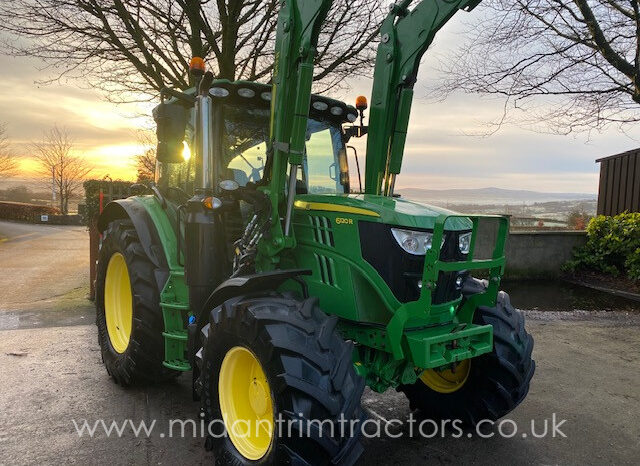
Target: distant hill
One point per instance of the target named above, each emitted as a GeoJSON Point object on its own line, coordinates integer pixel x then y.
{"type": "Point", "coordinates": [489, 196]}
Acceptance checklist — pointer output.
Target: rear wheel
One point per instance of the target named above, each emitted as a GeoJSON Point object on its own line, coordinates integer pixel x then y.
{"type": "Point", "coordinates": [269, 364]}
{"type": "Point", "coordinates": [486, 387]}
{"type": "Point", "coordinates": [128, 313]}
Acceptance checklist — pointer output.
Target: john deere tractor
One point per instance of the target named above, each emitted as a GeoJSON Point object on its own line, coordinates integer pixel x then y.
{"type": "Point", "coordinates": [254, 263]}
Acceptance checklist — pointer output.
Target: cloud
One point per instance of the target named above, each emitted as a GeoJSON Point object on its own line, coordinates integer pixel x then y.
{"type": "Point", "coordinates": [105, 134]}
{"type": "Point", "coordinates": [441, 151]}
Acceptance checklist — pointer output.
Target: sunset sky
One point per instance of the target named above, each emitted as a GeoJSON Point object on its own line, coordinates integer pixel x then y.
{"type": "Point", "coordinates": [441, 150]}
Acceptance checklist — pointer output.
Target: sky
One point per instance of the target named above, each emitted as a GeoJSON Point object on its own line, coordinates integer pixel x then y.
{"type": "Point", "coordinates": [443, 149]}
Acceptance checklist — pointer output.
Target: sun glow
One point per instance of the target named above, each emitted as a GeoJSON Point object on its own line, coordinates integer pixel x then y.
{"type": "Point", "coordinates": [118, 161]}
{"type": "Point", "coordinates": [186, 151]}
{"type": "Point", "coordinates": [28, 167]}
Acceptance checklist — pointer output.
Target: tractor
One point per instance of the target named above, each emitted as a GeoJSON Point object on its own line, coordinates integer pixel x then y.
{"type": "Point", "coordinates": [255, 264]}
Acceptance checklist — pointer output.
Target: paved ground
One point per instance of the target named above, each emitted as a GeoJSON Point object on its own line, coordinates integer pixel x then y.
{"type": "Point", "coordinates": [40, 263]}
{"type": "Point", "coordinates": [588, 372]}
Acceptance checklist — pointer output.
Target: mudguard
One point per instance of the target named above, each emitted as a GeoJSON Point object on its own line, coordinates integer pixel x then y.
{"type": "Point", "coordinates": [265, 281]}
{"type": "Point", "coordinates": [146, 229]}
{"type": "Point", "coordinates": [236, 286]}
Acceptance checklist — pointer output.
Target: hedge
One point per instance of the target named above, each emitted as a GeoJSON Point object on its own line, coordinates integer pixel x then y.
{"type": "Point", "coordinates": [613, 246]}
{"type": "Point", "coordinates": [110, 189]}
{"type": "Point", "coordinates": [25, 212]}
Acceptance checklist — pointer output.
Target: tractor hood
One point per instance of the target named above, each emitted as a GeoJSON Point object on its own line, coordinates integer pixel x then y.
{"type": "Point", "coordinates": [389, 210]}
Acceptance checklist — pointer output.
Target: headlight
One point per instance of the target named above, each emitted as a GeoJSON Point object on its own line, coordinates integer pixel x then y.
{"type": "Point", "coordinates": [464, 243]}
{"type": "Point", "coordinates": [414, 242]}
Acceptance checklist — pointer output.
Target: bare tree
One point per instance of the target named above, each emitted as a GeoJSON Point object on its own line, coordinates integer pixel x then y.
{"type": "Point", "coordinates": [146, 165]}
{"type": "Point", "coordinates": [8, 164]}
{"type": "Point", "coordinates": [145, 162]}
{"type": "Point", "coordinates": [54, 153]}
{"type": "Point", "coordinates": [133, 48]}
{"type": "Point", "coordinates": [560, 65]}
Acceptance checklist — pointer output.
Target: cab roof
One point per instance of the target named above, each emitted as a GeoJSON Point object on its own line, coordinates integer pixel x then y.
{"type": "Point", "coordinates": [254, 94]}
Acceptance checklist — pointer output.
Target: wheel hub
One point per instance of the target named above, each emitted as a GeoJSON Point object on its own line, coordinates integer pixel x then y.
{"type": "Point", "coordinates": [448, 380]}
{"type": "Point", "coordinates": [258, 397]}
{"type": "Point", "coordinates": [118, 303]}
{"type": "Point", "coordinates": [246, 403]}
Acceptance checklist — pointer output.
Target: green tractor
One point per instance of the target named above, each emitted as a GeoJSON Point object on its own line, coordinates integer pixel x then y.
{"type": "Point", "coordinates": [254, 265]}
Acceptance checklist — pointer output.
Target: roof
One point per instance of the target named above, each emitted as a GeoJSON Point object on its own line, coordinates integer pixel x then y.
{"type": "Point", "coordinates": [259, 95]}
{"type": "Point", "coordinates": [621, 154]}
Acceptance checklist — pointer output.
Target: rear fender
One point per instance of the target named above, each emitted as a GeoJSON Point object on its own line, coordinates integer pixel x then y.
{"type": "Point", "coordinates": [150, 240]}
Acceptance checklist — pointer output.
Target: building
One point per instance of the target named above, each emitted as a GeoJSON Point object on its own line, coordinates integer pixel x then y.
{"type": "Point", "coordinates": [619, 183]}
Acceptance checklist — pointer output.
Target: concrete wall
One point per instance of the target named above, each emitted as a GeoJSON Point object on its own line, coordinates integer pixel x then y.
{"type": "Point", "coordinates": [535, 254]}
{"type": "Point", "coordinates": [540, 254]}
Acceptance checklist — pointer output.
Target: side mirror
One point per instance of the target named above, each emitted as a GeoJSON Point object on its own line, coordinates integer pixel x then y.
{"type": "Point", "coordinates": [344, 169]}
{"type": "Point", "coordinates": [171, 122]}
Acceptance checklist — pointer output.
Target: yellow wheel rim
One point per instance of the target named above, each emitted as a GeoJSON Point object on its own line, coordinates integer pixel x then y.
{"type": "Point", "coordinates": [118, 304]}
{"type": "Point", "coordinates": [447, 381]}
{"type": "Point", "coordinates": [246, 403]}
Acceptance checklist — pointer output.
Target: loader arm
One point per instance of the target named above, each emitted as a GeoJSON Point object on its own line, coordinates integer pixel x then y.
{"type": "Point", "coordinates": [405, 36]}
{"type": "Point", "coordinates": [297, 34]}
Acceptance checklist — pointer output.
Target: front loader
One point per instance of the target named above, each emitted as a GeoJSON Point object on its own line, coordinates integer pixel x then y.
{"type": "Point", "coordinates": [254, 264]}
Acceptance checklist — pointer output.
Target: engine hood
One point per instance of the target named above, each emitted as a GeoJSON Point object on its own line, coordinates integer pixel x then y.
{"type": "Point", "coordinates": [389, 210]}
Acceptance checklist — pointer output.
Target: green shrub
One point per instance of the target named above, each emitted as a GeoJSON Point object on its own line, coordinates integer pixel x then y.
{"type": "Point", "coordinates": [613, 246]}
{"type": "Point", "coordinates": [111, 190]}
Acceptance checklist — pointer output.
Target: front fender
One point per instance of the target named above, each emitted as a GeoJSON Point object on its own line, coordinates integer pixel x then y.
{"type": "Point", "coordinates": [237, 286]}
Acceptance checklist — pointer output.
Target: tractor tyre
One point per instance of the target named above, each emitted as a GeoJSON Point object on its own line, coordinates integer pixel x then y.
{"type": "Point", "coordinates": [485, 387]}
{"type": "Point", "coordinates": [279, 361]}
{"type": "Point", "coordinates": [128, 313]}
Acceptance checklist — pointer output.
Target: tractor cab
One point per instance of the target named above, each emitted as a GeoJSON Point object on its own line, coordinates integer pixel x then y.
{"type": "Point", "coordinates": [217, 170]}
{"type": "Point", "coordinates": [241, 123]}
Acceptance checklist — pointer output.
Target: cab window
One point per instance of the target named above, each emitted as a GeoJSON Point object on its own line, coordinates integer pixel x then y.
{"type": "Point", "coordinates": [321, 168]}
{"type": "Point", "coordinates": [247, 131]}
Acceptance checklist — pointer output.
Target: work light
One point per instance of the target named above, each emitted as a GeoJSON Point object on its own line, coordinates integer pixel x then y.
{"type": "Point", "coordinates": [218, 92]}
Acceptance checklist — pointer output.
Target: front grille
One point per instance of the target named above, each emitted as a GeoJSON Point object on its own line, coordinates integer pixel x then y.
{"type": "Point", "coordinates": [402, 271]}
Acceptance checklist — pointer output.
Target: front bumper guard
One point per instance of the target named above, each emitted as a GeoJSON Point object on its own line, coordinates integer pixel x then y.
{"type": "Point", "coordinates": [453, 337]}
{"type": "Point", "coordinates": [439, 346]}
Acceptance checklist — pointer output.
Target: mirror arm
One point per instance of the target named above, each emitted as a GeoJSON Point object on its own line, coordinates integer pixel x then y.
{"type": "Point", "coordinates": [354, 131]}
{"type": "Point", "coordinates": [355, 154]}
{"type": "Point", "coordinates": [181, 96]}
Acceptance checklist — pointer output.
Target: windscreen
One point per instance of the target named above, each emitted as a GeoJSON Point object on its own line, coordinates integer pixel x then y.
{"type": "Point", "coordinates": [245, 150]}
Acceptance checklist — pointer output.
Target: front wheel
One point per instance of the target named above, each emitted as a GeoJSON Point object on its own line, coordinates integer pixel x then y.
{"type": "Point", "coordinates": [276, 379]}
{"type": "Point", "coordinates": [487, 387]}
